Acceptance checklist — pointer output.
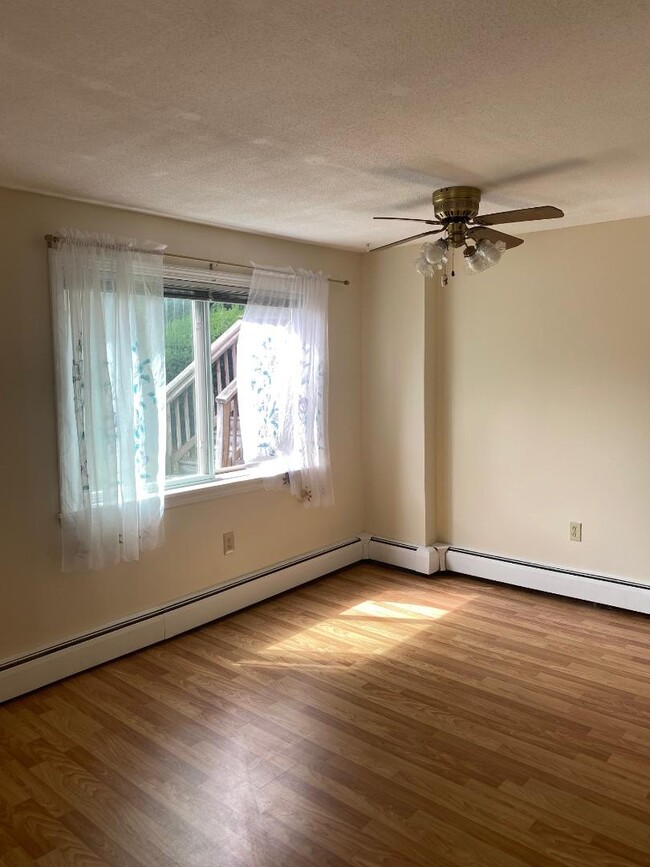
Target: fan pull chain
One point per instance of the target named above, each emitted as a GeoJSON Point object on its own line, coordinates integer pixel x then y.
{"type": "Point", "coordinates": [445, 277]}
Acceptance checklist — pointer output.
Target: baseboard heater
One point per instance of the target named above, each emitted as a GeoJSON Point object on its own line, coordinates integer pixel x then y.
{"type": "Point", "coordinates": [30, 671]}
{"type": "Point", "coordinates": [590, 587]}
{"type": "Point", "coordinates": [418, 558]}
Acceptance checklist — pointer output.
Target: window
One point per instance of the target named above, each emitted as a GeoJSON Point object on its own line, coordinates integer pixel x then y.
{"type": "Point", "coordinates": [203, 310]}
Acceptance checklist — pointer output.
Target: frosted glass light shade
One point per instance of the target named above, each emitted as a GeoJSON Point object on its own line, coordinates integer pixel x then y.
{"type": "Point", "coordinates": [436, 253]}
{"type": "Point", "coordinates": [484, 255]}
{"type": "Point", "coordinates": [425, 268]}
{"type": "Point", "coordinates": [490, 251]}
{"type": "Point", "coordinates": [475, 263]}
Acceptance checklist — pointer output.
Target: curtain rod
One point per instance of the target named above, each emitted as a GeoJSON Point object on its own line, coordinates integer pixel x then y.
{"type": "Point", "coordinates": [52, 240]}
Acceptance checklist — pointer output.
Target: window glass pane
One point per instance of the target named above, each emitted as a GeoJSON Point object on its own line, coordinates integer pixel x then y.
{"type": "Point", "coordinates": [181, 460]}
{"type": "Point", "coordinates": [224, 331]}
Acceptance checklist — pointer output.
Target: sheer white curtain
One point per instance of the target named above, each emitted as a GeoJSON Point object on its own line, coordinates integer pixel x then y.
{"type": "Point", "coordinates": [282, 367]}
{"type": "Point", "coordinates": [108, 321]}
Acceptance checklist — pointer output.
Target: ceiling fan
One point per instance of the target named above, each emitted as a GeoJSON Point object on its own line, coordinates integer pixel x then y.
{"type": "Point", "coordinates": [456, 211]}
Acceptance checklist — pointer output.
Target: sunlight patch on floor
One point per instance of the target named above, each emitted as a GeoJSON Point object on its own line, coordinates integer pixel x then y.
{"type": "Point", "coordinates": [394, 610]}
{"type": "Point", "coordinates": [370, 627]}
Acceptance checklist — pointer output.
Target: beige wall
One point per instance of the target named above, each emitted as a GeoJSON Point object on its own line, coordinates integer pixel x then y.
{"type": "Point", "coordinates": [545, 402]}
{"type": "Point", "coordinates": [38, 604]}
{"type": "Point", "coordinates": [397, 371]}
{"type": "Point", "coordinates": [495, 411]}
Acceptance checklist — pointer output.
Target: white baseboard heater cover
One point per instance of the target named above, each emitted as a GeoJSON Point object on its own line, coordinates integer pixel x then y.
{"type": "Point", "coordinates": [417, 558]}
{"type": "Point", "coordinates": [602, 589]}
{"type": "Point", "coordinates": [29, 672]}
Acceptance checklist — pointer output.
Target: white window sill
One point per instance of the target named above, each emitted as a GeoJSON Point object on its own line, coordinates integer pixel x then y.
{"type": "Point", "coordinates": [229, 485]}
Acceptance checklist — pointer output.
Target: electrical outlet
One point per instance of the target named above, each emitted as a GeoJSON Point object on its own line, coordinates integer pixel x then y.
{"type": "Point", "coordinates": [575, 532]}
{"type": "Point", "coordinates": [229, 542]}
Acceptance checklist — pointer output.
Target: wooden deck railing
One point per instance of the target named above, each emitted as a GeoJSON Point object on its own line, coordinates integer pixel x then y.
{"type": "Point", "coordinates": [181, 422]}
{"type": "Point", "coordinates": [226, 427]}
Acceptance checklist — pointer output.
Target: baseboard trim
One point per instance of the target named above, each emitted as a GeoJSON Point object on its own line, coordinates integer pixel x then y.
{"type": "Point", "coordinates": [418, 558]}
{"type": "Point", "coordinates": [46, 665]}
{"type": "Point", "coordinates": [603, 589]}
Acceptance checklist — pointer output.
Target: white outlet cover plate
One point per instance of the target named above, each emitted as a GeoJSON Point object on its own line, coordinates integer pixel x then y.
{"type": "Point", "coordinates": [575, 531]}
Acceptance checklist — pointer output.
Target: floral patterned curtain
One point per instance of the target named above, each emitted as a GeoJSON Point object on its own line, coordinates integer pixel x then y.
{"type": "Point", "coordinates": [107, 306]}
{"type": "Point", "coordinates": [282, 381]}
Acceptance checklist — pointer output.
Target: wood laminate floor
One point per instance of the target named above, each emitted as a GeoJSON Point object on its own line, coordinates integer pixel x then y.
{"type": "Point", "coordinates": [372, 717]}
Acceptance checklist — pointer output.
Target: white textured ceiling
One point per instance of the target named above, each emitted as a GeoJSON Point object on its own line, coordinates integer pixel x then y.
{"type": "Point", "coordinates": [304, 118]}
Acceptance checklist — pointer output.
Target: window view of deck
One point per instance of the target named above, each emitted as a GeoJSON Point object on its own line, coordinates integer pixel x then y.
{"type": "Point", "coordinates": [203, 434]}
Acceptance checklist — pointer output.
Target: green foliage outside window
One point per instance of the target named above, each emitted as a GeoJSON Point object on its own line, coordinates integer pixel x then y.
{"type": "Point", "coordinates": [178, 331]}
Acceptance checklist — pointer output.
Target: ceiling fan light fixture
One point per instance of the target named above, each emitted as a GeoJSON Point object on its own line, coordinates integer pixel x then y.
{"type": "Point", "coordinates": [491, 250]}
{"type": "Point", "coordinates": [424, 268]}
{"type": "Point", "coordinates": [432, 258]}
{"type": "Point", "coordinates": [474, 262]}
{"type": "Point", "coordinates": [483, 256]}
{"type": "Point", "coordinates": [435, 253]}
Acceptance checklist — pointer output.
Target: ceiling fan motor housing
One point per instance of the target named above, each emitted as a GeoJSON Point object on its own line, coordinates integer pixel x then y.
{"type": "Point", "coordinates": [456, 203]}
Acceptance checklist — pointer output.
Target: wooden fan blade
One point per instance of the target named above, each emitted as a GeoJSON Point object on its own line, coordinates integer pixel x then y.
{"type": "Point", "coordinates": [412, 220]}
{"type": "Point", "coordinates": [478, 232]}
{"type": "Point", "coordinates": [544, 212]}
{"type": "Point", "coordinates": [412, 238]}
